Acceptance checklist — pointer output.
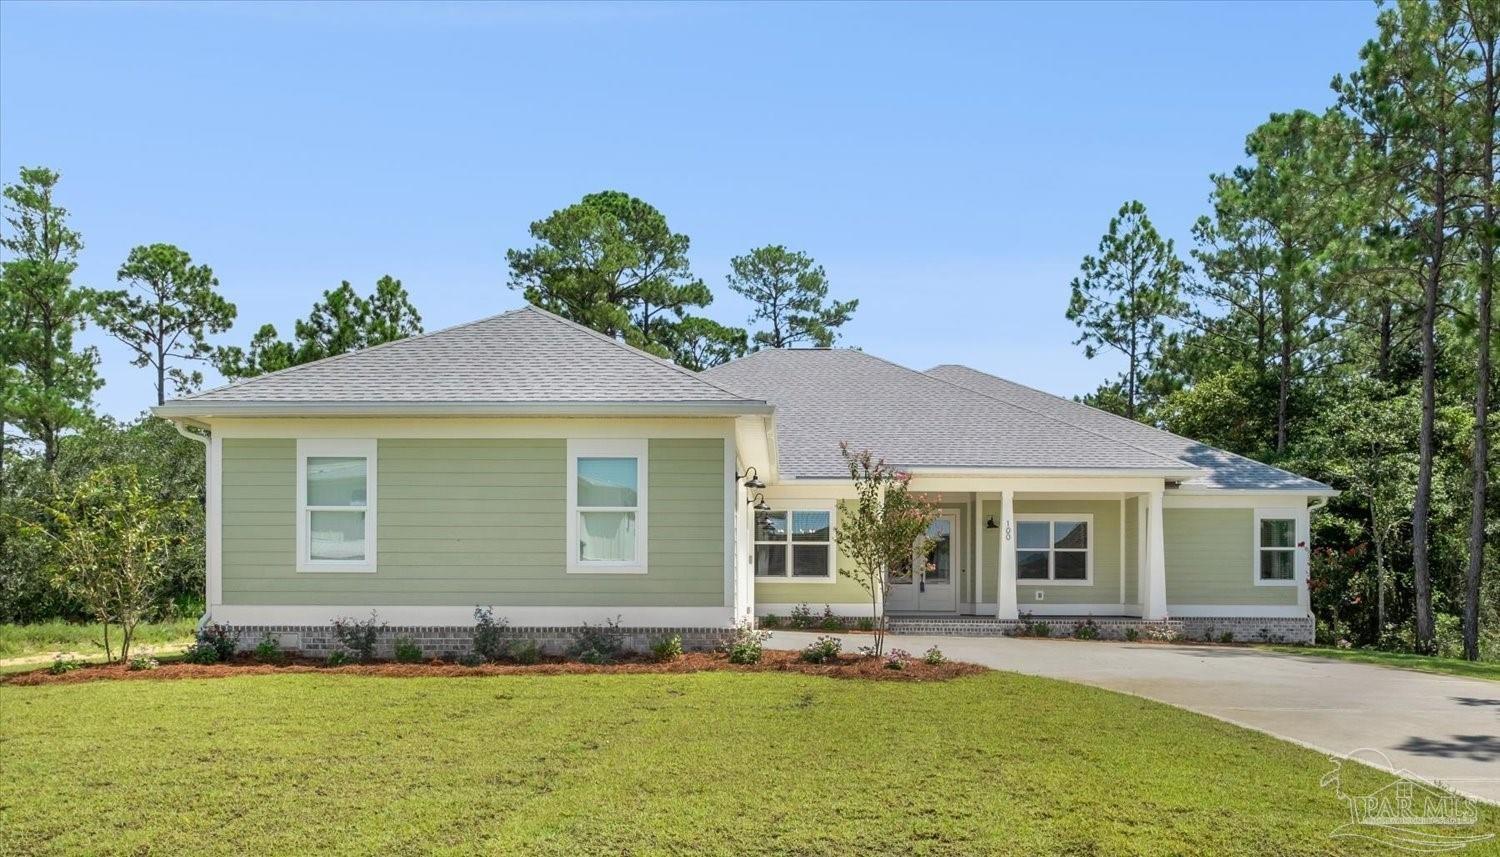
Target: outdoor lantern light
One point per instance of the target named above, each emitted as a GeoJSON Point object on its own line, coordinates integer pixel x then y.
{"type": "Point", "coordinates": [989, 523]}
{"type": "Point", "coordinates": [754, 480]}
{"type": "Point", "coordinates": [760, 503]}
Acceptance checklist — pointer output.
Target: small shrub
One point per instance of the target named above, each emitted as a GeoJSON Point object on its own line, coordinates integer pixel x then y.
{"type": "Point", "coordinates": [830, 622]}
{"type": "Point", "coordinates": [201, 653]}
{"type": "Point", "coordinates": [267, 651]}
{"type": "Point", "coordinates": [1227, 637]}
{"type": "Point", "coordinates": [668, 648]}
{"type": "Point", "coordinates": [525, 652]}
{"type": "Point", "coordinates": [1208, 634]}
{"type": "Point", "coordinates": [223, 639]}
{"type": "Point", "coordinates": [338, 658]}
{"type": "Point", "coordinates": [489, 634]}
{"type": "Point", "coordinates": [743, 645]}
{"type": "Point", "coordinates": [1086, 630]}
{"type": "Point", "coordinates": [934, 657]}
{"type": "Point", "coordinates": [770, 620]}
{"type": "Point", "coordinates": [143, 662]}
{"type": "Point", "coordinates": [597, 644]}
{"type": "Point", "coordinates": [359, 637]}
{"type": "Point", "coordinates": [64, 664]}
{"type": "Point", "coordinates": [1131, 635]}
{"type": "Point", "coordinates": [866, 651]}
{"type": "Point", "coordinates": [1162, 633]}
{"type": "Point", "coordinates": [407, 651]}
{"type": "Point", "coordinates": [1041, 629]}
{"type": "Point", "coordinates": [865, 623]}
{"type": "Point", "coordinates": [471, 659]}
{"type": "Point", "coordinates": [896, 659]}
{"type": "Point", "coordinates": [822, 650]}
{"type": "Point", "coordinates": [801, 616]}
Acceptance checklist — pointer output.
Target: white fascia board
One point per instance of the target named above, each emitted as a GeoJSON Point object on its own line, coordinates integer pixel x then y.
{"type": "Point", "coordinates": [178, 409]}
{"type": "Point", "coordinates": [454, 616]}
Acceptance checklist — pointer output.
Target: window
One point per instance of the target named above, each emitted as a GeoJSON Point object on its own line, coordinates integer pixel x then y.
{"type": "Point", "coordinates": [335, 505]}
{"type": "Point", "coordinates": [1276, 540]}
{"type": "Point", "coordinates": [1054, 550]}
{"type": "Point", "coordinates": [794, 544]}
{"type": "Point", "coordinates": [607, 506]}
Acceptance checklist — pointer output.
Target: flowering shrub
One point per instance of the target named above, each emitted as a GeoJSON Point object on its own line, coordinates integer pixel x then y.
{"type": "Point", "coordinates": [668, 648]}
{"type": "Point", "coordinates": [743, 645]}
{"type": "Point", "coordinates": [1086, 630]}
{"type": "Point", "coordinates": [822, 650]}
{"type": "Point", "coordinates": [934, 657]}
{"type": "Point", "coordinates": [896, 659]}
{"type": "Point", "coordinates": [144, 662]}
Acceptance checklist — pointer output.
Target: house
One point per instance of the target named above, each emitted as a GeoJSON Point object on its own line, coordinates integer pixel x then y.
{"type": "Point", "coordinates": [529, 463]}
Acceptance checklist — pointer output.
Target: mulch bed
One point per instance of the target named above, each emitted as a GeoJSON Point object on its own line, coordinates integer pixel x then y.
{"type": "Point", "coordinates": [848, 666]}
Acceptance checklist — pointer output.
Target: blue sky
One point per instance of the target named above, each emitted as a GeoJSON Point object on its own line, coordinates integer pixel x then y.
{"type": "Point", "coordinates": [948, 164]}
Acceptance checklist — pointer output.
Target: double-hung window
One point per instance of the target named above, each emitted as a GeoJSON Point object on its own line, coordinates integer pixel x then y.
{"type": "Point", "coordinates": [794, 544]}
{"type": "Point", "coordinates": [1276, 548]}
{"type": "Point", "coordinates": [335, 505]}
{"type": "Point", "coordinates": [606, 527]}
{"type": "Point", "coordinates": [1054, 549]}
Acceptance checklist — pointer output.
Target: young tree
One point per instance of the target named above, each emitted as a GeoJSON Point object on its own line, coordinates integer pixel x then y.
{"type": "Point", "coordinates": [115, 535]}
{"type": "Point", "coordinates": [342, 321]}
{"type": "Point", "coordinates": [790, 294]}
{"type": "Point", "coordinates": [1410, 99]}
{"type": "Point", "coordinates": [1123, 297]}
{"type": "Point", "coordinates": [883, 531]}
{"type": "Point", "coordinates": [610, 262]}
{"type": "Point", "coordinates": [177, 305]}
{"type": "Point", "coordinates": [40, 311]}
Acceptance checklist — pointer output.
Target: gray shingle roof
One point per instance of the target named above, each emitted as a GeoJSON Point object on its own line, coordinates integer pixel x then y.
{"type": "Point", "coordinates": [522, 356]}
{"type": "Point", "coordinates": [1220, 469]}
{"type": "Point", "coordinates": [914, 420]}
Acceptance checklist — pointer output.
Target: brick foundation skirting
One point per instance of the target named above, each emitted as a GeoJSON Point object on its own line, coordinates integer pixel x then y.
{"type": "Point", "coordinates": [452, 641]}
{"type": "Point", "coordinates": [1239, 629]}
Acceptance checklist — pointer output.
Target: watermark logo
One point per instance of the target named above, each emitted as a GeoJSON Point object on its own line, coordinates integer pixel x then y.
{"type": "Point", "coordinates": [1408, 813]}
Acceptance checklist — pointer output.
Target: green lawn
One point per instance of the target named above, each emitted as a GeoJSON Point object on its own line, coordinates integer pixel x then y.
{"type": "Point", "coordinates": [1452, 666]}
{"type": "Point", "coordinates": [18, 641]}
{"type": "Point", "coordinates": [706, 763]}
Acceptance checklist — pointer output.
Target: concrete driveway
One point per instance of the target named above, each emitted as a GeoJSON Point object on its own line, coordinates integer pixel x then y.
{"type": "Point", "coordinates": [1439, 727]}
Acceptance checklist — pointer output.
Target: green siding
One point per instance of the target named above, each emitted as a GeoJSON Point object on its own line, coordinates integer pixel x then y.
{"type": "Point", "coordinates": [475, 521]}
{"type": "Point", "coordinates": [1209, 559]}
{"type": "Point", "coordinates": [1105, 588]}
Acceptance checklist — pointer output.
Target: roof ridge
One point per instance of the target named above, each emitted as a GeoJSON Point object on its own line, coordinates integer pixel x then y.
{"type": "Point", "coordinates": [333, 357]}
{"type": "Point", "coordinates": [1046, 416]}
{"type": "Point", "coordinates": [696, 376]}
{"type": "Point", "coordinates": [1105, 413]}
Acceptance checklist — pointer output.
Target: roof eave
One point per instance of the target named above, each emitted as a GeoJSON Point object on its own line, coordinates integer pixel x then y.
{"type": "Point", "coordinates": [181, 409]}
{"type": "Point", "coordinates": [1201, 490]}
{"type": "Point", "coordinates": [1004, 472]}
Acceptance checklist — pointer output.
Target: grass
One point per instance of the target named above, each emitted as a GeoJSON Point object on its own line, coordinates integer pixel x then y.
{"type": "Point", "coordinates": [1450, 666]}
{"type": "Point", "coordinates": [706, 763]}
{"type": "Point", "coordinates": [18, 641]}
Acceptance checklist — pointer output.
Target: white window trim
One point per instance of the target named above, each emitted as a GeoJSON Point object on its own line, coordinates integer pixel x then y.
{"type": "Point", "coordinates": [1088, 552]}
{"type": "Point", "coordinates": [790, 506]}
{"type": "Point", "coordinates": [608, 448]}
{"type": "Point", "coordinates": [1297, 538]}
{"type": "Point", "coordinates": [344, 448]}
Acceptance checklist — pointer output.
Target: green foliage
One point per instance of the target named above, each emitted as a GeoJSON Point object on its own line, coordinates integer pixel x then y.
{"type": "Point", "coordinates": [407, 651]}
{"type": "Point", "coordinates": [801, 616]}
{"type": "Point", "coordinates": [62, 663]}
{"type": "Point", "coordinates": [338, 658]}
{"type": "Point", "coordinates": [597, 644]}
{"type": "Point", "coordinates": [1131, 635]}
{"type": "Point", "coordinates": [268, 651]}
{"type": "Point", "coordinates": [864, 623]}
{"type": "Point", "coordinates": [744, 645]}
{"type": "Point", "coordinates": [822, 650]}
{"type": "Point", "coordinates": [1088, 629]}
{"type": "Point", "coordinates": [830, 621]}
{"type": "Point", "coordinates": [48, 383]}
{"type": "Point", "coordinates": [165, 320]}
{"type": "Point", "coordinates": [667, 648]}
{"type": "Point", "coordinates": [201, 653]}
{"type": "Point", "coordinates": [770, 620]}
{"type": "Point", "coordinates": [143, 663]}
{"type": "Point", "coordinates": [698, 343]}
{"type": "Point", "coordinates": [1123, 296]}
{"type": "Point", "coordinates": [881, 530]}
{"type": "Point", "coordinates": [341, 322]}
{"type": "Point", "coordinates": [610, 262]}
{"type": "Point", "coordinates": [934, 657]}
{"type": "Point", "coordinates": [489, 634]}
{"type": "Point", "coordinates": [790, 294]}
{"type": "Point", "coordinates": [222, 640]}
{"type": "Point", "coordinates": [525, 652]}
{"type": "Point", "coordinates": [359, 636]}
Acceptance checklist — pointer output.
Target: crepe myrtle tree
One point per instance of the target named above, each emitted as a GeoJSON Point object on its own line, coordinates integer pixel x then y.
{"type": "Point", "coordinates": [882, 531]}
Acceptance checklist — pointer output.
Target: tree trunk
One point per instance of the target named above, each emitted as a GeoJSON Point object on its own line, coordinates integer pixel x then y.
{"type": "Point", "coordinates": [1383, 359]}
{"type": "Point", "coordinates": [1474, 573]}
{"type": "Point", "coordinates": [1284, 379]}
{"type": "Point", "coordinates": [1422, 507]}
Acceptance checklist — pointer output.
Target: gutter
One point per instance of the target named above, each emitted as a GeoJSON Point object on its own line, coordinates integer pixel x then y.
{"type": "Point", "coordinates": [203, 439]}
{"type": "Point", "coordinates": [189, 408]}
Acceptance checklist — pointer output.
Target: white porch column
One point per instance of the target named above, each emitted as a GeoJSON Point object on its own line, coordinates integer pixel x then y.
{"type": "Point", "coordinates": [1006, 598]}
{"type": "Point", "coordinates": [1154, 575]}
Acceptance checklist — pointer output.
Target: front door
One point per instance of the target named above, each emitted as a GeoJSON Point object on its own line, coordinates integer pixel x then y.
{"type": "Point", "coordinates": [929, 586]}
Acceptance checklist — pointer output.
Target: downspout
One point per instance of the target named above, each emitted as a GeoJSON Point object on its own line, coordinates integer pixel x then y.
{"type": "Point", "coordinates": [203, 439]}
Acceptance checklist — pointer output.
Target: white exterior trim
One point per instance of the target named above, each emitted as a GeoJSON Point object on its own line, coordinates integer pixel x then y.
{"type": "Point", "coordinates": [633, 617]}
{"type": "Point", "coordinates": [1005, 598]}
{"type": "Point", "coordinates": [475, 427]}
{"type": "Point", "coordinates": [1236, 611]}
{"type": "Point", "coordinates": [341, 447]}
{"type": "Point", "coordinates": [606, 410]}
{"type": "Point", "coordinates": [1297, 550]}
{"type": "Point", "coordinates": [608, 448]}
{"type": "Point", "coordinates": [784, 609]}
{"type": "Point", "coordinates": [1076, 610]}
{"type": "Point", "coordinates": [213, 547]}
{"type": "Point", "coordinates": [1088, 553]}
